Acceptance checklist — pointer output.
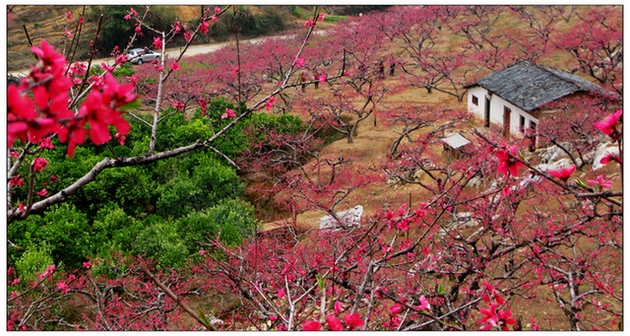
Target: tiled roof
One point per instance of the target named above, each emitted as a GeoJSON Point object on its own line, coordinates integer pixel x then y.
{"type": "Point", "coordinates": [530, 86]}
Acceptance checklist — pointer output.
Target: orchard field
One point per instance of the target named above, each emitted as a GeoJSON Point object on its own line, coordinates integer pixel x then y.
{"type": "Point", "coordinates": [186, 193]}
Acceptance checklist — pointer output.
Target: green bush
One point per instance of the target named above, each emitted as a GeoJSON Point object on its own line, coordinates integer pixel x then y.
{"type": "Point", "coordinates": [196, 227]}
{"type": "Point", "coordinates": [63, 228]}
{"type": "Point", "coordinates": [159, 240]}
{"type": "Point", "coordinates": [124, 70]}
{"type": "Point", "coordinates": [209, 182]}
{"type": "Point", "coordinates": [130, 187]}
{"type": "Point", "coordinates": [300, 13]}
{"type": "Point", "coordinates": [237, 214]}
{"type": "Point", "coordinates": [114, 231]}
{"type": "Point", "coordinates": [334, 18]}
{"type": "Point", "coordinates": [247, 23]}
{"type": "Point", "coordinates": [33, 262]}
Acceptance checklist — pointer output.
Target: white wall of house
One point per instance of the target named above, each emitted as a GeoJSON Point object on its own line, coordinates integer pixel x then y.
{"type": "Point", "coordinates": [497, 107]}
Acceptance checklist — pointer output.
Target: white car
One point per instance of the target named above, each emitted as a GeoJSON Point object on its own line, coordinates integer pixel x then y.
{"type": "Point", "coordinates": [139, 56]}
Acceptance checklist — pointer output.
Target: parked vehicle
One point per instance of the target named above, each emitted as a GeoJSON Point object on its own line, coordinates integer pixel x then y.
{"type": "Point", "coordinates": [139, 56]}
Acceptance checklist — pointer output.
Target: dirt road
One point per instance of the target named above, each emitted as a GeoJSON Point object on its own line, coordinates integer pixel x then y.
{"type": "Point", "coordinates": [174, 52]}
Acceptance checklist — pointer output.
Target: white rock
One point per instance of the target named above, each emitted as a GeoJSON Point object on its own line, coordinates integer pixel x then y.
{"type": "Point", "coordinates": [348, 218]}
{"type": "Point", "coordinates": [603, 150]}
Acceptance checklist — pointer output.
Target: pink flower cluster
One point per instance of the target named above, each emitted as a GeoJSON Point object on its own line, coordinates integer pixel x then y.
{"type": "Point", "coordinates": [47, 111]}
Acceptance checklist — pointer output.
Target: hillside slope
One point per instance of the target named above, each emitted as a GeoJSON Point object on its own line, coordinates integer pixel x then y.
{"type": "Point", "coordinates": [49, 22]}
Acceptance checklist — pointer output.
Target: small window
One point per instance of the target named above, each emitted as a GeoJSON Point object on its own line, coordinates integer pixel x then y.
{"type": "Point", "coordinates": [475, 100]}
{"type": "Point", "coordinates": [532, 125]}
{"type": "Point", "coordinates": [521, 124]}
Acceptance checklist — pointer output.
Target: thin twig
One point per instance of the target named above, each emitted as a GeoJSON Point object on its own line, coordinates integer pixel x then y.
{"type": "Point", "coordinates": [178, 300]}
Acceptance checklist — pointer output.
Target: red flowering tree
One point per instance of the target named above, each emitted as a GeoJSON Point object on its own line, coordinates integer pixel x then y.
{"type": "Point", "coordinates": [488, 235]}
{"type": "Point", "coordinates": [596, 46]}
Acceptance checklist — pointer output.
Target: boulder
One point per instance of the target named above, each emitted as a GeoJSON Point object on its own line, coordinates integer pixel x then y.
{"type": "Point", "coordinates": [601, 151]}
{"type": "Point", "coordinates": [348, 218]}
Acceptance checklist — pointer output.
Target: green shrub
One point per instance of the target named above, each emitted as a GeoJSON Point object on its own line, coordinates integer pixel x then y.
{"type": "Point", "coordinates": [208, 183]}
{"type": "Point", "coordinates": [114, 231]}
{"type": "Point", "coordinates": [124, 70]}
{"type": "Point", "coordinates": [196, 227]}
{"type": "Point", "coordinates": [334, 18]}
{"type": "Point", "coordinates": [33, 262]}
{"type": "Point", "coordinates": [159, 240]}
{"type": "Point", "coordinates": [68, 233]}
{"type": "Point", "coordinates": [62, 227]}
{"type": "Point", "coordinates": [300, 13]}
{"type": "Point", "coordinates": [237, 214]}
{"type": "Point", "coordinates": [130, 187]}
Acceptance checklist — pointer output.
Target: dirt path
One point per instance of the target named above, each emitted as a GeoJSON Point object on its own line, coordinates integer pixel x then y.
{"type": "Point", "coordinates": [174, 52]}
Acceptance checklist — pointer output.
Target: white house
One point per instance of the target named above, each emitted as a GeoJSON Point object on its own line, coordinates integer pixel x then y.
{"type": "Point", "coordinates": [513, 97]}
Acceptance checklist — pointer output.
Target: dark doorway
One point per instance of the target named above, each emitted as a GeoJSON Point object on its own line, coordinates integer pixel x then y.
{"type": "Point", "coordinates": [507, 114]}
{"type": "Point", "coordinates": [487, 113]}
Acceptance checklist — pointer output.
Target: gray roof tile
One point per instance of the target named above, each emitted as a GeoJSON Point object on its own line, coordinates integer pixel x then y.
{"type": "Point", "coordinates": [530, 86]}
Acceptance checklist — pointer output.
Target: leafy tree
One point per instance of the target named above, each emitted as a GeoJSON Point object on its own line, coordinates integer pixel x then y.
{"type": "Point", "coordinates": [159, 240]}
{"type": "Point", "coordinates": [63, 230]}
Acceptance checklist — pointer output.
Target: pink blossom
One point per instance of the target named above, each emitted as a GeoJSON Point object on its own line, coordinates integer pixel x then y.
{"type": "Point", "coordinates": [299, 62]}
{"type": "Point", "coordinates": [138, 29]}
{"type": "Point", "coordinates": [353, 320]}
{"type": "Point", "coordinates": [21, 207]}
{"type": "Point", "coordinates": [175, 66]}
{"type": "Point", "coordinates": [179, 106]}
{"type": "Point", "coordinates": [281, 293]}
{"type": "Point", "coordinates": [563, 173]}
{"type": "Point", "coordinates": [273, 318]}
{"type": "Point", "coordinates": [610, 156]}
{"type": "Point", "coordinates": [188, 36]}
{"type": "Point", "coordinates": [157, 43]}
{"type": "Point", "coordinates": [235, 70]}
{"type": "Point", "coordinates": [333, 322]}
{"type": "Point", "coordinates": [321, 16]}
{"type": "Point", "coordinates": [77, 80]}
{"type": "Point", "coordinates": [309, 23]}
{"type": "Point", "coordinates": [600, 182]}
{"type": "Point", "coordinates": [42, 193]}
{"type": "Point", "coordinates": [87, 264]}
{"type": "Point", "coordinates": [104, 66]}
{"type": "Point", "coordinates": [311, 325]}
{"type": "Point", "coordinates": [214, 18]}
{"type": "Point", "coordinates": [424, 304]}
{"type": "Point", "coordinates": [132, 79]}
{"type": "Point", "coordinates": [120, 59]}
{"type": "Point", "coordinates": [608, 124]}
{"type": "Point", "coordinates": [69, 16]}
{"type": "Point", "coordinates": [205, 27]}
{"type": "Point", "coordinates": [217, 10]}
{"type": "Point", "coordinates": [121, 139]}
{"type": "Point", "coordinates": [322, 78]}
{"type": "Point", "coordinates": [508, 164]}
{"type": "Point", "coordinates": [202, 252]}
{"type": "Point", "coordinates": [337, 307]}
{"type": "Point", "coordinates": [269, 103]}
{"type": "Point", "coordinates": [229, 113]}
{"type": "Point", "coordinates": [63, 287]}
{"type": "Point", "coordinates": [16, 181]}
{"type": "Point", "coordinates": [39, 164]}
{"type": "Point", "coordinates": [48, 272]}
{"type": "Point", "coordinates": [15, 281]}
{"type": "Point", "coordinates": [395, 309]}
{"type": "Point", "coordinates": [177, 27]}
